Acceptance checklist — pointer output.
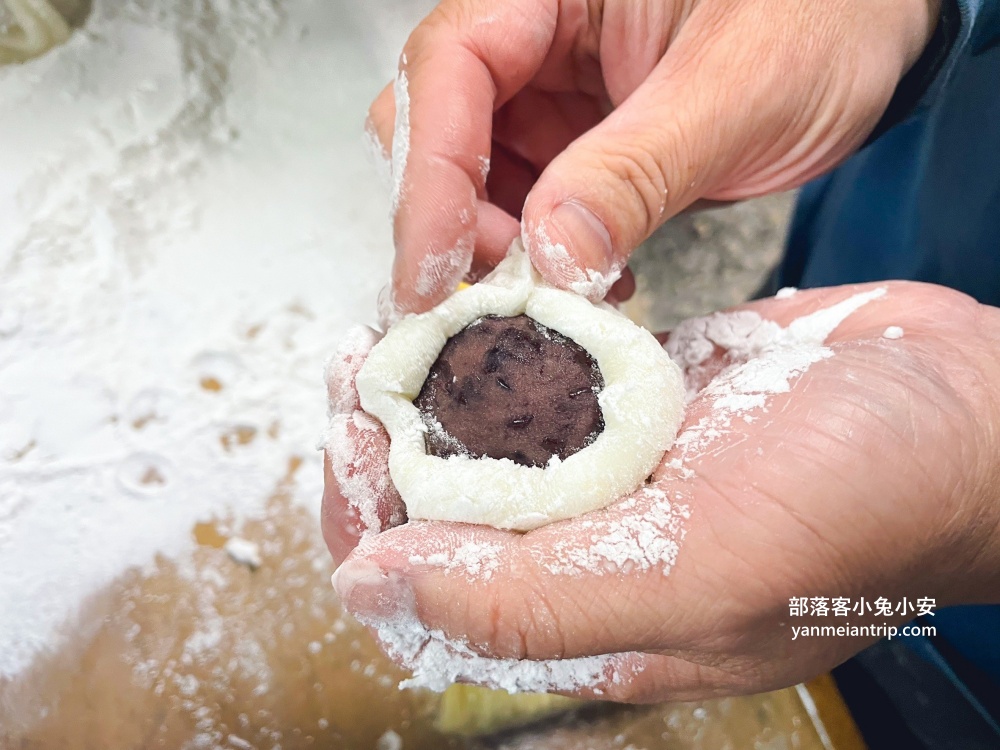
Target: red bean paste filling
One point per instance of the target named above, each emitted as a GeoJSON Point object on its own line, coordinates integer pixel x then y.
{"type": "Point", "coordinates": [508, 387]}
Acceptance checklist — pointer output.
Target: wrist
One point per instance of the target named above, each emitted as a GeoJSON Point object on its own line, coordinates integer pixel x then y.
{"type": "Point", "coordinates": [932, 48]}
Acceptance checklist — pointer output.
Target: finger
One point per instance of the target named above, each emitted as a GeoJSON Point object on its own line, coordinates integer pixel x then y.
{"type": "Point", "coordinates": [461, 62]}
{"type": "Point", "coordinates": [681, 136]}
{"type": "Point", "coordinates": [510, 179]}
{"type": "Point", "coordinates": [342, 368]}
{"type": "Point", "coordinates": [438, 662]}
{"type": "Point", "coordinates": [497, 219]}
{"type": "Point", "coordinates": [339, 519]}
{"type": "Point", "coordinates": [594, 585]}
{"type": "Point", "coordinates": [495, 231]}
{"type": "Point", "coordinates": [654, 678]}
{"type": "Point", "coordinates": [623, 289]}
{"type": "Point", "coordinates": [496, 228]}
{"type": "Point", "coordinates": [359, 497]}
{"type": "Point", "coordinates": [378, 134]}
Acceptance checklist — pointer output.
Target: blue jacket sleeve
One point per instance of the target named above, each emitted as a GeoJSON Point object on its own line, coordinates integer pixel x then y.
{"type": "Point", "coordinates": [966, 27]}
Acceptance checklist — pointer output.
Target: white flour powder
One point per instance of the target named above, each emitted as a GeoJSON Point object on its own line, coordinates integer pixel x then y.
{"type": "Point", "coordinates": [645, 533]}
{"type": "Point", "coordinates": [593, 285]}
{"type": "Point", "coordinates": [438, 662]}
{"type": "Point", "coordinates": [473, 559]}
{"type": "Point", "coordinates": [188, 222]}
{"type": "Point", "coordinates": [761, 358]}
{"type": "Point", "coordinates": [892, 333]}
{"type": "Point", "coordinates": [401, 134]}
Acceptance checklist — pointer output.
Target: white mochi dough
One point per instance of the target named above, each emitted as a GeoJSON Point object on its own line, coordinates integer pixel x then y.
{"type": "Point", "coordinates": [642, 404]}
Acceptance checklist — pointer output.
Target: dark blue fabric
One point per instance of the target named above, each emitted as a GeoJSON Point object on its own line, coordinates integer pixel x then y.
{"type": "Point", "coordinates": [923, 203]}
{"type": "Point", "coordinates": [975, 633]}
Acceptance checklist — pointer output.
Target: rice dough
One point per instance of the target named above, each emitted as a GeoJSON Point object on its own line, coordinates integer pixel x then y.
{"type": "Point", "coordinates": [640, 394]}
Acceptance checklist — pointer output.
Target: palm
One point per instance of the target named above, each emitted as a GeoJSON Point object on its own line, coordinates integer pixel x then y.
{"type": "Point", "coordinates": [849, 485]}
{"type": "Point", "coordinates": [827, 492]}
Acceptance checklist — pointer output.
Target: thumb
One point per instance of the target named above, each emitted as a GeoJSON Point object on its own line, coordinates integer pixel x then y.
{"type": "Point", "coordinates": [738, 106]}
{"type": "Point", "coordinates": [613, 186]}
{"type": "Point", "coordinates": [554, 593]}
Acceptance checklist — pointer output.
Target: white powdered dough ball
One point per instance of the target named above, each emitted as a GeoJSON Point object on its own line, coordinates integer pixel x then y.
{"type": "Point", "coordinates": [642, 405]}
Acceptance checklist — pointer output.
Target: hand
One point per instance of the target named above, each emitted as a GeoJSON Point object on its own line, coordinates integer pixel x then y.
{"type": "Point", "coordinates": [875, 474]}
{"type": "Point", "coordinates": [591, 123]}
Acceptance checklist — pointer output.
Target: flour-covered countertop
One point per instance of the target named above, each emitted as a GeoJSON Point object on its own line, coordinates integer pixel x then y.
{"type": "Point", "coordinates": [188, 222]}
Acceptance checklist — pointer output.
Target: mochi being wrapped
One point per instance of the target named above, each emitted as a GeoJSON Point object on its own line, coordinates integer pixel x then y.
{"type": "Point", "coordinates": [515, 404]}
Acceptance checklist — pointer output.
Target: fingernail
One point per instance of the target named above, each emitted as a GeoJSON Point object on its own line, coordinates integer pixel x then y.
{"type": "Point", "coordinates": [579, 229]}
{"type": "Point", "coordinates": [372, 594]}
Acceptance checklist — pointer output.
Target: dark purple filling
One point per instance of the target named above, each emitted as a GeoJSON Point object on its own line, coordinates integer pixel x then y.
{"type": "Point", "coordinates": [511, 388]}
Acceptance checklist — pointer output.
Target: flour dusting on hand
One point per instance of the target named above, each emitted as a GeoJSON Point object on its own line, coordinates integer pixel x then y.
{"type": "Point", "coordinates": [475, 560]}
{"type": "Point", "coordinates": [759, 359]}
{"type": "Point", "coordinates": [438, 662]}
{"type": "Point", "coordinates": [358, 450]}
{"type": "Point", "coordinates": [401, 135]}
{"type": "Point", "coordinates": [444, 271]}
{"type": "Point", "coordinates": [380, 158]}
{"type": "Point", "coordinates": [563, 269]}
{"type": "Point", "coordinates": [342, 368]}
{"type": "Point", "coordinates": [644, 533]}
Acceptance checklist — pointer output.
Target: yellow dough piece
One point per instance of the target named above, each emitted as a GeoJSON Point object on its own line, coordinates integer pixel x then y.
{"type": "Point", "coordinates": [36, 27]}
{"type": "Point", "coordinates": [470, 711]}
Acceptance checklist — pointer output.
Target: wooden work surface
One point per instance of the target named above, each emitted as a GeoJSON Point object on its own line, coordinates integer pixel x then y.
{"type": "Point", "coordinates": [207, 653]}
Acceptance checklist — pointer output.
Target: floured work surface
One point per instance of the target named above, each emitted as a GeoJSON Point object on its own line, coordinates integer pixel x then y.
{"type": "Point", "coordinates": [209, 653]}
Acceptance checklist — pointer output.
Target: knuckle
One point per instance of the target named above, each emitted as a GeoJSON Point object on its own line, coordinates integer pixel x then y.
{"type": "Point", "coordinates": [644, 179]}
{"type": "Point", "coordinates": [419, 43]}
{"type": "Point", "coordinates": [442, 21]}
